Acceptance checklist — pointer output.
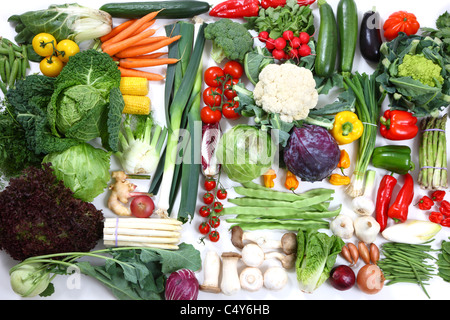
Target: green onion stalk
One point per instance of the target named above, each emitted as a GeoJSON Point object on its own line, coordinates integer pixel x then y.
{"type": "Point", "coordinates": [368, 106]}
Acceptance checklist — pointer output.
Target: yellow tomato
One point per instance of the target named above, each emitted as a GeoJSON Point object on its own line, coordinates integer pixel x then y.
{"type": "Point", "coordinates": [44, 44]}
{"type": "Point", "coordinates": [51, 66]}
{"type": "Point", "coordinates": [66, 49]}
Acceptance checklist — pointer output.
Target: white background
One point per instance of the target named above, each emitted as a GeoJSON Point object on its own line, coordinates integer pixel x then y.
{"type": "Point", "coordinates": [90, 289]}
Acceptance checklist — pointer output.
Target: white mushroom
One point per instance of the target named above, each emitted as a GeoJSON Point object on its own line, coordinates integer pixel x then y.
{"type": "Point", "coordinates": [287, 260]}
{"type": "Point", "coordinates": [366, 228]}
{"type": "Point", "coordinates": [252, 255]}
{"type": "Point", "coordinates": [211, 270]}
{"type": "Point", "coordinates": [230, 283]}
{"type": "Point", "coordinates": [288, 242]}
{"type": "Point", "coordinates": [275, 278]}
{"type": "Point", "coordinates": [342, 226]}
{"type": "Point", "coordinates": [251, 279]}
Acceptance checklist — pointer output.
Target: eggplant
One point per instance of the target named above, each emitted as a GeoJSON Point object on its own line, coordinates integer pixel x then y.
{"type": "Point", "coordinates": [370, 36]}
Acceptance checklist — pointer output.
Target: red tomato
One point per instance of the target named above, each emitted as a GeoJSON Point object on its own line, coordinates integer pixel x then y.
{"type": "Point", "coordinates": [208, 198]}
{"type": "Point", "coordinates": [142, 206]}
{"type": "Point", "coordinates": [222, 194]}
{"type": "Point", "coordinates": [214, 222]}
{"type": "Point", "coordinates": [204, 211]}
{"type": "Point", "coordinates": [229, 108]}
{"type": "Point", "coordinates": [217, 207]}
{"type": "Point", "coordinates": [234, 69]}
{"type": "Point", "coordinates": [204, 228]}
{"type": "Point", "coordinates": [209, 115]}
{"type": "Point", "coordinates": [214, 236]}
{"type": "Point", "coordinates": [230, 93]}
{"type": "Point", "coordinates": [213, 76]}
{"type": "Point", "coordinates": [210, 184]}
{"type": "Point", "coordinates": [212, 96]}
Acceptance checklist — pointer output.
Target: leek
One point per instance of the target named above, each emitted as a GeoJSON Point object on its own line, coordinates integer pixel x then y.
{"type": "Point", "coordinates": [177, 109]}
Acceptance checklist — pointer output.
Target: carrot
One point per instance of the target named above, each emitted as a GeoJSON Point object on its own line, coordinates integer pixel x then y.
{"type": "Point", "coordinates": [149, 40]}
{"type": "Point", "coordinates": [153, 55]}
{"type": "Point", "coordinates": [142, 63]}
{"type": "Point", "coordinates": [144, 27]}
{"type": "Point", "coordinates": [139, 50]}
{"type": "Point", "coordinates": [116, 30]}
{"type": "Point", "coordinates": [132, 28]}
{"type": "Point", "coordinates": [116, 47]}
{"type": "Point", "coordinates": [125, 72]}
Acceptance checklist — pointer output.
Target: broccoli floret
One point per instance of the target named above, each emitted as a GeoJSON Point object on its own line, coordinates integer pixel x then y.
{"type": "Point", "coordinates": [230, 40]}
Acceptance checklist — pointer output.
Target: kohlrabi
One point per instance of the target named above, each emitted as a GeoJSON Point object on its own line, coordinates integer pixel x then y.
{"type": "Point", "coordinates": [29, 280]}
{"type": "Point", "coordinates": [141, 142]}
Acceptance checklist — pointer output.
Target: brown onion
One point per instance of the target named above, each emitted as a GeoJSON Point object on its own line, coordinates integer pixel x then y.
{"type": "Point", "coordinates": [364, 252]}
{"type": "Point", "coordinates": [370, 279]}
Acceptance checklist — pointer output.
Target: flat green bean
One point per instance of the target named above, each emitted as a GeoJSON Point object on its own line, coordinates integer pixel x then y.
{"type": "Point", "coordinates": [279, 212]}
{"type": "Point", "coordinates": [299, 204]}
{"type": "Point", "coordinates": [278, 195]}
{"type": "Point", "coordinates": [307, 225]}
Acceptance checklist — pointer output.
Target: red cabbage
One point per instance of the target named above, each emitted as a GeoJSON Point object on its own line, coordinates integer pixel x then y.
{"type": "Point", "coordinates": [182, 285]}
{"type": "Point", "coordinates": [311, 153]}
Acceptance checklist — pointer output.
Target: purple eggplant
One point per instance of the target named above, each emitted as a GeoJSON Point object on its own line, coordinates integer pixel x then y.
{"type": "Point", "coordinates": [370, 37]}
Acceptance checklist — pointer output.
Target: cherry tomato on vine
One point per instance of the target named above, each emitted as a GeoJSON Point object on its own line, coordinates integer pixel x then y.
{"type": "Point", "coordinates": [44, 44]}
{"type": "Point", "coordinates": [210, 184]}
{"type": "Point", "coordinates": [214, 236]}
{"type": "Point", "coordinates": [222, 194]}
{"type": "Point", "coordinates": [214, 221]}
{"type": "Point", "coordinates": [204, 211]}
{"type": "Point", "coordinates": [204, 228]}
{"type": "Point", "coordinates": [209, 115]}
{"type": "Point", "coordinates": [214, 76]}
{"type": "Point", "coordinates": [229, 110]}
{"type": "Point", "coordinates": [51, 66]}
{"type": "Point", "coordinates": [208, 198]}
{"type": "Point", "coordinates": [67, 48]}
{"type": "Point", "coordinates": [217, 207]}
{"type": "Point", "coordinates": [212, 96]}
{"type": "Point", "coordinates": [234, 69]}
{"type": "Point", "coordinates": [229, 92]}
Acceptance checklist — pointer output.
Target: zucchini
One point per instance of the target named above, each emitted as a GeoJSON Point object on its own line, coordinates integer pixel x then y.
{"type": "Point", "coordinates": [347, 20]}
{"type": "Point", "coordinates": [171, 9]}
{"type": "Point", "coordinates": [327, 42]}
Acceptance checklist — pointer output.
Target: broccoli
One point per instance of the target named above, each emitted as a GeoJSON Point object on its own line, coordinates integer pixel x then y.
{"type": "Point", "coordinates": [230, 40]}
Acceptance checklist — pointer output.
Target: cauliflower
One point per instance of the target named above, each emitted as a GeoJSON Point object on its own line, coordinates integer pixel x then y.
{"type": "Point", "coordinates": [286, 89]}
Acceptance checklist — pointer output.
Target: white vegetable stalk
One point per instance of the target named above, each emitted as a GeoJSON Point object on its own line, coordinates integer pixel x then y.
{"type": "Point", "coordinates": [364, 205]}
{"type": "Point", "coordinates": [412, 231]}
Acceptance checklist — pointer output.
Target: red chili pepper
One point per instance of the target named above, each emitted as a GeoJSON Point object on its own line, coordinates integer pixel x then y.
{"type": "Point", "coordinates": [445, 222]}
{"type": "Point", "coordinates": [425, 203]}
{"type": "Point", "coordinates": [399, 209]}
{"type": "Point", "coordinates": [436, 217]}
{"type": "Point", "coordinates": [398, 125]}
{"type": "Point", "coordinates": [236, 9]}
{"type": "Point", "coordinates": [444, 208]}
{"type": "Point", "coordinates": [281, 3]}
{"type": "Point", "coordinates": [384, 195]}
{"type": "Point", "coordinates": [438, 195]}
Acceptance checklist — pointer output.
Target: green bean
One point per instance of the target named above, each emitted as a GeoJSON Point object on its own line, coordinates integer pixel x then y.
{"type": "Point", "coordinates": [278, 195]}
{"type": "Point", "coordinates": [26, 63]}
{"type": "Point", "coordinates": [12, 44]}
{"type": "Point", "coordinates": [14, 71]}
{"type": "Point", "coordinates": [5, 51]}
{"type": "Point", "coordinates": [2, 69]}
{"type": "Point", "coordinates": [279, 212]}
{"type": "Point", "coordinates": [11, 55]}
{"type": "Point", "coordinates": [7, 70]}
{"type": "Point", "coordinates": [273, 225]}
{"type": "Point", "coordinates": [299, 204]}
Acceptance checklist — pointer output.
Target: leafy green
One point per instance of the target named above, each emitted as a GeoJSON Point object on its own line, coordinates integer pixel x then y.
{"type": "Point", "coordinates": [255, 61]}
{"type": "Point", "coordinates": [442, 32]}
{"type": "Point", "coordinates": [316, 255]}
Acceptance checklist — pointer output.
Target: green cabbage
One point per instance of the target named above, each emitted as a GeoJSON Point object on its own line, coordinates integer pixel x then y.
{"type": "Point", "coordinates": [83, 169]}
{"type": "Point", "coordinates": [245, 153]}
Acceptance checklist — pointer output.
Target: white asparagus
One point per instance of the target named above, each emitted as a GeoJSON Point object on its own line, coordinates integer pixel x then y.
{"type": "Point", "coordinates": [139, 244]}
{"type": "Point", "coordinates": [113, 237]}
{"type": "Point", "coordinates": [137, 225]}
{"type": "Point", "coordinates": [141, 232]}
{"type": "Point", "coordinates": [143, 221]}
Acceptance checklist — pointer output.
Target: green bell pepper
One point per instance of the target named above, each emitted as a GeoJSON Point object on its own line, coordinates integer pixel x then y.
{"type": "Point", "coordinates": [393, 158]}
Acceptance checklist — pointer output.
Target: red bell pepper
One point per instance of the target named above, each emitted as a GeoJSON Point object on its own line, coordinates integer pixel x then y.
{"type": "Point", "coordinates": [425, 203]}
{"type": "Point", "coordinates": [398, 125]}
{"type": "Point", "coordinates": [236, 9]}
{"type": "Point", "coordinates": [384, 195]}
{"type": "Point", "coordinates": [281, 3]}
{"type": "Point", "coordinates": [399, 209]}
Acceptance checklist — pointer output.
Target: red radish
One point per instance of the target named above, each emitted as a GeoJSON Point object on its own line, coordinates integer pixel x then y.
{"type": "Point", "coordinates": [295, 42]}
{"type": "Point", "coordinates": [288, 35]}
{"type": "Point", "coordinates": [280, 43]}
{"type": "Point", "coordinates": [263, 36]}
{"type": "Point", "coordinates": [304, 50]}
{"type": "Point", "coordinates": [304, 37]}
{"type": "Point", "coordinates": [293, 53]}
{"type": "Point", "coordinates": [270, 44]}
{"type": "Point", "coordinates": [278, 54]}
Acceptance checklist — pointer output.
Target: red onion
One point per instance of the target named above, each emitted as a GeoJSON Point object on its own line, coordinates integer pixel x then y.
{"type": "Point", "coordinates": [182, 285]}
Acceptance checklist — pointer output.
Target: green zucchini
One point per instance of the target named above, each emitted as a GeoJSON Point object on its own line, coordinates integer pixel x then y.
{"type": "Point", "coordinates": [347, 20]}
{"type": "Point", "coordinates": [171, 9]}
{"type": "Point", "coordinates": [327, 42]}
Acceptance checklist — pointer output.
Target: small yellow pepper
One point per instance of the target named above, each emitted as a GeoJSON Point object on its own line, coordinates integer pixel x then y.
{"type": "Point", "coordinates": [291, 182]}
{"type": "Point", "coordinates": [269, 178]}
{"type": "Point", "coordinates": [339, 180]}
{"type": "Point", "coordinates": [344, 161]}
{"type": "Point", "coordinates": [347, 127]}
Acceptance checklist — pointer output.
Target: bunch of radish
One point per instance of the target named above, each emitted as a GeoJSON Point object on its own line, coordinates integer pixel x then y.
{"type": "Point", "coordinates": [288, 46]}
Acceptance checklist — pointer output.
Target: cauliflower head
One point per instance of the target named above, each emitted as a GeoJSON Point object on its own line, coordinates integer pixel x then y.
{"type": "Point", "coordinates": [286, 89]}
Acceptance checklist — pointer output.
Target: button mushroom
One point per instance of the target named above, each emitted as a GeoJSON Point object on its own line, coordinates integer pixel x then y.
{"type": "Point", "coordinates": [230, 283]}
{"type": "Point", "coordinates": [275, 278]}
{"type": "Point", "coordinates": [288, 242]}
{"type": "Point", "coordinates": [211, 270]}
{"type": "Point", "coordinates": [287, 260]}
{"type": "Point", "coordinates": [342, 226]}
{"type": "Point", "coordinates": [251, 279]}
{"type": "Point", "coordinates": [252, 255]}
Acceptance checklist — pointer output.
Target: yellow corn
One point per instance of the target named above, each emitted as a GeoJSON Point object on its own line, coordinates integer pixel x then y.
{"type": "Point", "coordinates": [136, 104]}
{"type": "Point", "coordinates": [134, 86]}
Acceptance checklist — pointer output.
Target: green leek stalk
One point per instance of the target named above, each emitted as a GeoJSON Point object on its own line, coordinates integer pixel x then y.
{"type": "Point", "coordinates": [177, 108]}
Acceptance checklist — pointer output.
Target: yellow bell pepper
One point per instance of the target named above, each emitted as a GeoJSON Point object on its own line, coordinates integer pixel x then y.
{"type": "Point", "coordinates": [347, 127]}
{"type": "Point", "coordinates": [291, 182]}
{"type": "Point", "coordinates": [269, 178]}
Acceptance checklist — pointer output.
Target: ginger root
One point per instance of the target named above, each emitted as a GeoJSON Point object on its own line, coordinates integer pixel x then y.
{"type": "Point", "coordinates": [121, 191]}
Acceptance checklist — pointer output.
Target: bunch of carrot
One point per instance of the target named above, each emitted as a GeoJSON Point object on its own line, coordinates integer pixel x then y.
{"type": "Point", "coordinates": [133, 45]}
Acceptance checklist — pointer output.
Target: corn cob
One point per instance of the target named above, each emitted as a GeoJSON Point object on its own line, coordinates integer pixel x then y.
{"type": "Point", "coordinates": [134, 86]}
{"type": "Point", "coordinates": [136, 104]}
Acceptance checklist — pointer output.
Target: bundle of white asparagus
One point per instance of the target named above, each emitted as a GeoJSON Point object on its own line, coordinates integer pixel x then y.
{"type": "Point", "coordinates": [139, 232]}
